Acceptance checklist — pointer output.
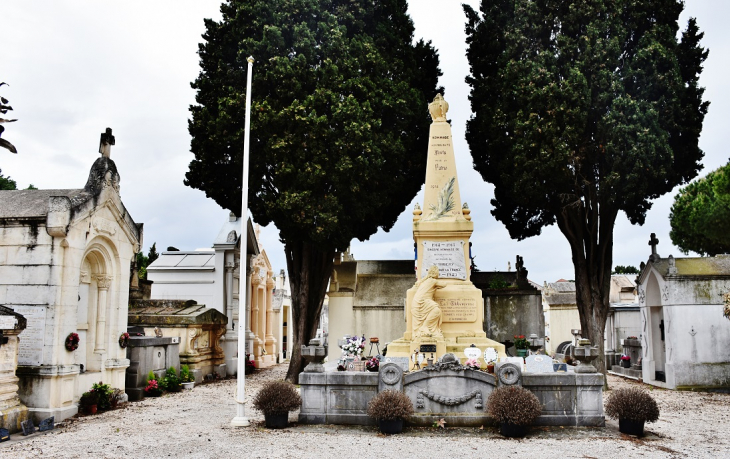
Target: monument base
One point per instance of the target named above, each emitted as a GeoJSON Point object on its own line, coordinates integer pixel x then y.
{"type": "Point", "coordinates": [455, 345]}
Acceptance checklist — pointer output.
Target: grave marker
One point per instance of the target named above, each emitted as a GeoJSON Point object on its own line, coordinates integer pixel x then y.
{"type": "Point", "coordinates": [28, 427]}
{"type": "Point", "coordinates": [539, 364]}
{"type": "Point", "coordinates": [46, 424]}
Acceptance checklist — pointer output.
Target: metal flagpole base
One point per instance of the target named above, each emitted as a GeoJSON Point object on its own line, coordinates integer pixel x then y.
{"type": "Point", "coordinates": [240, 421]}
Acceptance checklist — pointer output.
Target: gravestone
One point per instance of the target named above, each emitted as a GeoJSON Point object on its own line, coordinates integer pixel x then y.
{"type": "Point", "coordinates": [519, 361]}
{"type": "Point", "coordinates": [46, 424]}
{"type": "Point", "coordinates": [28, 427]}
{"type": "Point", "coordinates": [538, 364]}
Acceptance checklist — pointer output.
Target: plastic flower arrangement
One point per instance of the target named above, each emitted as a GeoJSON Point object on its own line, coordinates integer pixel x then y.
{"type": "Point", "coordinates": [72, 342]}
{"type": "Point", "coordinates": [625, 358]}
{"type": "Point", "coordinates": [373, 364]}
{"type": "Point", "coordinates": [521, 342]}
{"type": "Point", "coordinates": [354, 346]}
{"type": "Point", "coordinates": [250, 364]}
{"type": "Point", "coordinates": [472, 363]}
{"type": "Point", "coordinates": [124, 340]}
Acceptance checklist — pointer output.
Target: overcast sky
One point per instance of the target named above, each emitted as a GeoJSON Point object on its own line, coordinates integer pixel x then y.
{"type": "Point", "coordinates": [77, 67]}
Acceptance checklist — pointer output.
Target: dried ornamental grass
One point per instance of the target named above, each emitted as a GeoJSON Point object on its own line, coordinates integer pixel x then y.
{"type": "Point", "coordinates": [277, 397]}
{"type": "Point", "coordinates": [390, 405]}
{"type": "Point", "coordinates": [632, 404]}
{"type": "Point", "coordinates": [513, 405]}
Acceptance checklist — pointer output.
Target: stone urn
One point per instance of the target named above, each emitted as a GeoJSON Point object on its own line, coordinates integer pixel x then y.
{"type": "Point", "coordinates": [314, 354]}
{"type": "Point", "coordinates": [585, 354]}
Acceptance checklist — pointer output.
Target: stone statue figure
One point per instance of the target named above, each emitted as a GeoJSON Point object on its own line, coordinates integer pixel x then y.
{"type": "Point", "coordinates": [425, 311]}
{"type": "Point", "coordinates": [438, 108]}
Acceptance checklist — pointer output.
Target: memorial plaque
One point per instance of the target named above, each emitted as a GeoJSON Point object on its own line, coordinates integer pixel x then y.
{"type": "Point", "coordinates": [4, 435]}
{"type": "Point", "coordinates": [28, 427]}
{"type": "Point", "coordinates": [46, 424]}
{"type": "Point", "coordinates": [448, 256]}
{"type": "Point", "coordinates": [427, 348]}
{"type": "Point", "coordinates": [7, 322]}
{"type": "Point", "coordinates": [458, 309]}
{"type": "Point", "coordinates": [538, 364]}
{"type": "Point", "coordinates": [472, 352]}
{"type": "Point", "coordinates": [490, 354]}
{"type": "Point", "coordinates": [30, 349]}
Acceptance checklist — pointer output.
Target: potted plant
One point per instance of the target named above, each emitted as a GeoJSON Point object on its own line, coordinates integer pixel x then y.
{"type": "Point", "coordinates": [373, 364]}
{"type": "Point", "coordinates": [186, 378]}
{"type": "Point", "coordinates": [171, 382]}
{"type": "Point", "coordinates": [390, 408]}
{"type": "Point", "coordinates": [515, 408]}
{"type": "Point", "coordinates": [625, 361]}
{"type": "Point", "coordinates": [276, 399]}
{"type": "Point", "coordinates": [250, 365]}
{"type": "Point", "coordinates": [522, 345]}
{"type": "Point", "coordinates": [632, 407]}
{"type": "Point", "coordinates": [153, 389]}
{"type": "Point", "coordinates": [89, 402]}
{"type": "Point", "coordinates": [104, 392]}
{"type": "Point", "coordinates": [116, 397]}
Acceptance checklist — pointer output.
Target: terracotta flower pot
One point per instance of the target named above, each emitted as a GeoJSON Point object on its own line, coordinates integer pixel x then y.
{"type": "Point", "coordinates": [91, 409]}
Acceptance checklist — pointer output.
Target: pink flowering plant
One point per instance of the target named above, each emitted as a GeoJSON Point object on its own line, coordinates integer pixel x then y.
{"type": "Point", "coordinates": [625, 358]}
{"type": "Point", "coordinates": [472, 363]}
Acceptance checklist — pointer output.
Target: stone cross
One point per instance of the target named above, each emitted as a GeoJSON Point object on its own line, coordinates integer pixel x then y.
{"type": "Point", "coordinates": [653, 243]}
{"type": "Point", "coordinates": [106, 142]}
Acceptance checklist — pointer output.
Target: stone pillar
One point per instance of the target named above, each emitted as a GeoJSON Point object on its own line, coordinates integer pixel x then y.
{"type": "Point", "coordinates": [249, 289]}
{"type": "Point", "coordinates": [270, 340]}
{"type": "Point", "coordinates": [255, 281]}
{"type": "Point", "coordinates": [12, 411]}
{"type": "Point", "coordinates": [103, 282]}
{"type": "Point", "coordinates": [231, 312]}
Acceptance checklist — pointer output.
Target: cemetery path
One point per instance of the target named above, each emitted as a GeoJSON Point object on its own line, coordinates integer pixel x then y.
{"type": "Point", "coordinates": [196, 424]}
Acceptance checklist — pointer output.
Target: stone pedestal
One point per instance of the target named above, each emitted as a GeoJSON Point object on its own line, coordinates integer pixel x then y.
{"type": "Point", "coordinates": [12, 411]}
{"type": "Point", "coordinates": [149, 353]}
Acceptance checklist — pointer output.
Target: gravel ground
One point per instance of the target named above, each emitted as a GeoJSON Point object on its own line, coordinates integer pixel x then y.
{"type": "Point", "coordinates": [196, 424]}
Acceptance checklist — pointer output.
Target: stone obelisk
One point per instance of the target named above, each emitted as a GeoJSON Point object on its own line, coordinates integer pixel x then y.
{"type": "Point", "coordinates": [443, 309]}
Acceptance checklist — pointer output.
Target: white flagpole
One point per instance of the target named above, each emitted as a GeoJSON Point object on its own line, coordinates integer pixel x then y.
{"type": "Point", "coordinates": [241, 420]}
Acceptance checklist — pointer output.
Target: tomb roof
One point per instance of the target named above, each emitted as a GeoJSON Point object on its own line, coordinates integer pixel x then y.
{"type": "Point", "coordinates": [183, 260]}
{"type": "Point", "coordinates": [695, 266]}
{"type": "Point", "coordinates": [34, 203]}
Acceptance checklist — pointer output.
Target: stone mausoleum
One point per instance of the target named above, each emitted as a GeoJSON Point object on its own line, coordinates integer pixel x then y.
{"type": "Point", "coordinates": [684, 337]}
{"type": "Point", "coordinates": [65, 258]}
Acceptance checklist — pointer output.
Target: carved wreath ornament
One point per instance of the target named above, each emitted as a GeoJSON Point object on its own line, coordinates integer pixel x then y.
{"type": "Point", "coordinates": [449, 401]}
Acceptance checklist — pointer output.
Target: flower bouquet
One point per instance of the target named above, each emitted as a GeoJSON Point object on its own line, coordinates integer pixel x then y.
{"type": "Point", "coordinates": [353, 346]}
{"type": "Point", "coordinates": [472, 363]}
{"type": "Point", "coordinates": [625, 361]}
{"type": "Point", "coordinates": [124, 340]}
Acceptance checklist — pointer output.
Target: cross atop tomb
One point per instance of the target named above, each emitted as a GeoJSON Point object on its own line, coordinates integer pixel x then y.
{"type": "Point", "coordinates": [106, 142]}
{"type": "Point", "coordinates": [653, 242]}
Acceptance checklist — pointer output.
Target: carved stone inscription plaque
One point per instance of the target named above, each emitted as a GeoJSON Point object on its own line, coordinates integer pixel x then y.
{"type": "Point", "coordinates": [447, 255]}
{"type": "Point", "coordinates": [458, 309]}
{"type": "Point", "coordinates": [30, 350]}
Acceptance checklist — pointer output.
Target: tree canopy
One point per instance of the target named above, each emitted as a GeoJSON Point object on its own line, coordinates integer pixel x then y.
{"type": "Point", "coordinates": [4, 108]}
{"type": "Point", "coordinates": [339, 125]}
{"type": "Point", "coordinates": [620, 269]}
{"type": "Point", "coordinates": [583, 110]}
{"type": "Point", "coordinates": [6, 183]}
{"type": "Point", "coordinates": [700, 216]}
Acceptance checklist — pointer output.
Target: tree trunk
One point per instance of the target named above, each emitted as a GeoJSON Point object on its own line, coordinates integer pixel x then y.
{"type": "Point", "coordinates": [590, 235]}
{"type": "Point", "coordinates": [309, 272]}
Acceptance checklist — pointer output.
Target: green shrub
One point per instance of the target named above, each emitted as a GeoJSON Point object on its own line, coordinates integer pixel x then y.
{"type": "Point", "coordinates": [171, 382]}
{"type": "Point", "coordinates": [89, 398]}
{"type": "Point", "coordinates": [185, 375]}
